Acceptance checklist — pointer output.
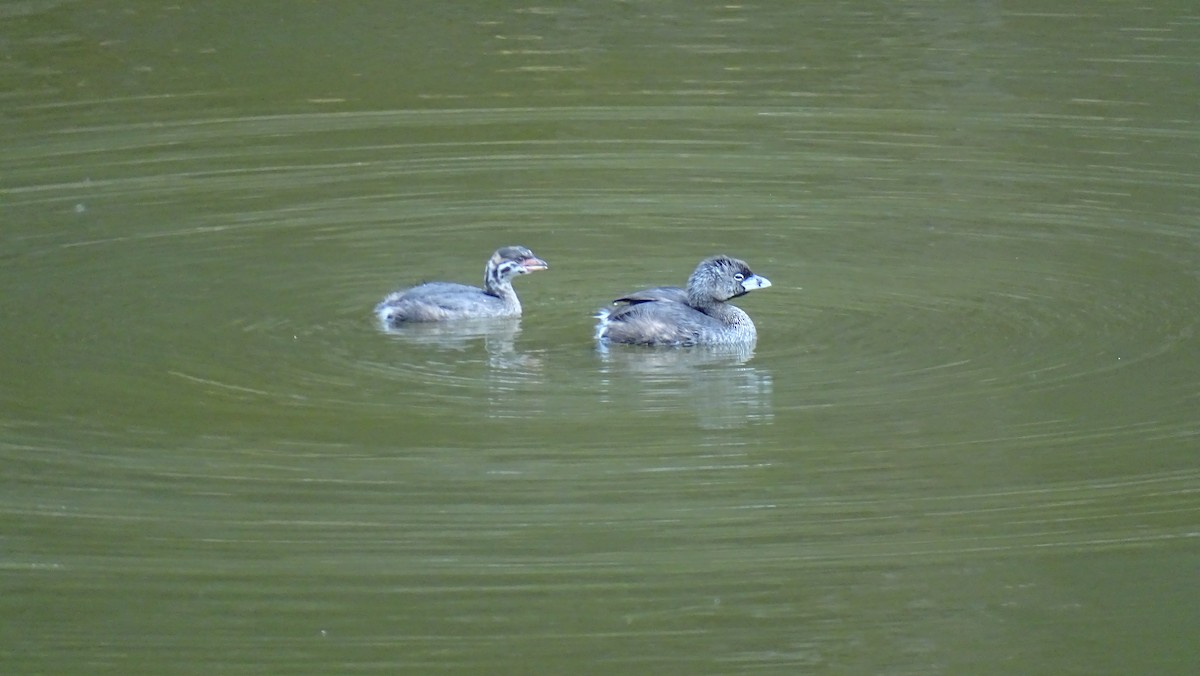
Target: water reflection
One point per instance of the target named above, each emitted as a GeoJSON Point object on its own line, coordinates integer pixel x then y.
{"type": "Point", "coordinates": [487, 385]}
{"type": "Point", "coordinates": [498, 337]}
{"type": "Point", "coordinates": [715, 382]}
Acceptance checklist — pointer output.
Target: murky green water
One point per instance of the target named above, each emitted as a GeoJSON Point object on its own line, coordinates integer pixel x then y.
{"type": "Point", "coordinates": [966, 442]}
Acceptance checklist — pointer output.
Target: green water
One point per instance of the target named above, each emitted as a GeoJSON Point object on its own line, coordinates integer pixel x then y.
{"type": "Point", "coordinates": [966, 441]}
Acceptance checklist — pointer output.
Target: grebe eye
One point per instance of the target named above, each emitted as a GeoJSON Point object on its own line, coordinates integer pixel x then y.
{"type": "Point", "coordinates": [739, 276]}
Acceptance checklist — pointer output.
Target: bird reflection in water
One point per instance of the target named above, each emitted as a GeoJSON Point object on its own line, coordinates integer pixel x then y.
{"type": "Point", "coordinates": [497, 335]}
{"type": "Point", "coordinates": [716, 382]}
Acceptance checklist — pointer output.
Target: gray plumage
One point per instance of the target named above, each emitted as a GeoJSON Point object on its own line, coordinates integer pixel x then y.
{"type": "Point", "coordinates": [443, 301]}
{"type": "Point", "coordinates": [698, 315]}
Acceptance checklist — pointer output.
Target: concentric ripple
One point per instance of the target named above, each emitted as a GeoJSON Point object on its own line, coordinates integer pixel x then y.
{"type": "Point", "coordinates": [943, 377]}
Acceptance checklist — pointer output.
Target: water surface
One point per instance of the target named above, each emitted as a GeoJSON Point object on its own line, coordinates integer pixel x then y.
{"type": "Point", "coordinates": [964, 443]}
